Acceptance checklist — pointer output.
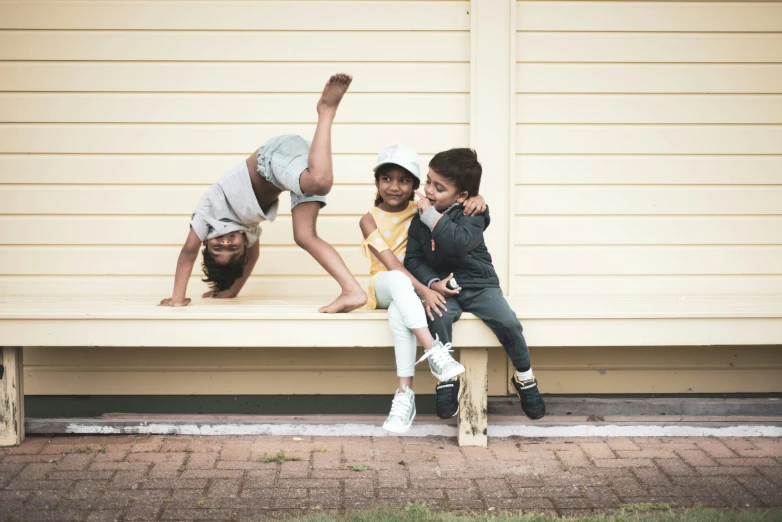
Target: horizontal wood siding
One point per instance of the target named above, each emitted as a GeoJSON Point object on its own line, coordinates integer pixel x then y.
{"type": "Point", "coordinates": [648, 148]}
{"type": "Point", "coordinates": [116, 116]}
{"type": "Point", "coordinates": [648, 161]}
{"type": "Point", "coordinates": [204, 371]}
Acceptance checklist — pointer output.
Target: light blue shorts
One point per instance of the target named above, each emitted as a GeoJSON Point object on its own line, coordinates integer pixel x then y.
{"type": "Point", "coordinates": [281, 161]}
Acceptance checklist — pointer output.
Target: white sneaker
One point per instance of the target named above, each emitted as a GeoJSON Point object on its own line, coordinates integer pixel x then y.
{"type": "Point", "coordinates": [402, 411]}
{"type": "Point", "coordinates": [442, 364]}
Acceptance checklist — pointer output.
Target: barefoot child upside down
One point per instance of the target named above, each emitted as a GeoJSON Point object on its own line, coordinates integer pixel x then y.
{"type": "Point", "coordinates": [227, 219]}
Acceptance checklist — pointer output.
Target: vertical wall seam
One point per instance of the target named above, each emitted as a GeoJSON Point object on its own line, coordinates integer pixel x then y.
{"type": "Point", "coordinates": [511, 284]}
{"type": "Point", "coordinates": [512, 150]}
{"type": "Point", "coordinates": [473, 70]}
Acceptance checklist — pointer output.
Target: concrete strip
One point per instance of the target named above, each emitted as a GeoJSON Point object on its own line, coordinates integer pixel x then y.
{"type": "Point", "coordinates": [419, 429]}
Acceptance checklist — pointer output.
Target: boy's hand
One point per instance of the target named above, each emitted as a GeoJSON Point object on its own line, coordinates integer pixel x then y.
{"type": "Point", "coordinates": [171, 302]}
{"type": "Point", "coordinates": [225, 294]}
{"type": "Point", "coordinates": [422, 202]}
{"type": "Point", "coordinates": [441, 287]}
{"type": "Point", "coordinates": [431, 301]}
{"type": "Point", "coordinates": [474, 205]}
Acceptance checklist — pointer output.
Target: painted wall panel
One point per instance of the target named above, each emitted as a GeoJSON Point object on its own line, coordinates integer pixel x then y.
{"type": "Point", "coordinates": [648, 155]}
{"type": "Point", "coordinates": [647, 161]}
{"type": "Point", "coordinates": [118, 115]}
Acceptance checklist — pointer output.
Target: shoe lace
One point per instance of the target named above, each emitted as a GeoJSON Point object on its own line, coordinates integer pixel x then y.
{"type": "Point", "coordinates": [400, 406]}
{"type": "Point", "coordinates": [439, 355]}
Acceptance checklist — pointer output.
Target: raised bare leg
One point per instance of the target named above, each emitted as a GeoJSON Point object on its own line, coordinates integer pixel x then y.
{"type": "Point", "coordinates": [319, 176]}
{"type": "Point", "coordinates": [305, 234]}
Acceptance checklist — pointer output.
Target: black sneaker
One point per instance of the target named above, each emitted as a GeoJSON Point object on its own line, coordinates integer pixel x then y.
{"type": "Point", "coordinates": [447, 398]}
{"type": "Point", "coordinates": [531, 401]}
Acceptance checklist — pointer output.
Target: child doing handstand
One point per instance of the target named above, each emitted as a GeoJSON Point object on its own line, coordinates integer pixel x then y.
{"type": "Point", "coordinates": [226, 220]}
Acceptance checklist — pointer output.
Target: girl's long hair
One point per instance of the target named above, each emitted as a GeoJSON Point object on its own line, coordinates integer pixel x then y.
{"type": "Point", "coordinates": [388, 168]}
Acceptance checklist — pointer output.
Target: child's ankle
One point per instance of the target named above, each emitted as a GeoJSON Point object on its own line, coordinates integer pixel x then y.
{"type": "Point", "coordinates": [524, 376]}
{"type": "Point", "coordinates": [326, 112]}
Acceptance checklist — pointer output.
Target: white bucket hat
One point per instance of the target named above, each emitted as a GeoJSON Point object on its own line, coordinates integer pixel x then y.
{"type": "Point", "coordinates": [401, 155]}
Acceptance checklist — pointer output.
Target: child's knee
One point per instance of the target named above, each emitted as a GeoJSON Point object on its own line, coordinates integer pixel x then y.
{"type": "Point", "coordinates": [511, 324]}
{"type": "Point", "coordinates": [317, 182]}
{"type": "Point", "coordinates": [304, 239]}
{"type": "Point", "coordinates": [439, 321]}
{"type": "Point", "coordinates": [398, 279]}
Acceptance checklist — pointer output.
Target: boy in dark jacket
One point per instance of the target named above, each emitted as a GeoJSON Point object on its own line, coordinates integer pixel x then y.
{"type": "Point", "coordinates": [445, 246]}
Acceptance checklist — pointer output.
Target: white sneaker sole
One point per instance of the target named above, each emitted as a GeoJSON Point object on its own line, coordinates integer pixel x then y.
{"type": "Point", "coordinates": [397, 428]}
{"type": "Point", "coordinates": [450, 375]}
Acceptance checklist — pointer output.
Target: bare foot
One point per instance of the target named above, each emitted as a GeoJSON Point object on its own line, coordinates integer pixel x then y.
{"type": "Point", "coordinates": [347, 302]}
{"type": "Point", "coordinates": [333, 92]}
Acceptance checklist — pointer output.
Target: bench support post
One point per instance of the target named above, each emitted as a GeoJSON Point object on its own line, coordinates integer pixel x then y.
{"type": "Point", "coordinates": [11, 396]}
{"type": "Point", "coordinates": [473, 420]}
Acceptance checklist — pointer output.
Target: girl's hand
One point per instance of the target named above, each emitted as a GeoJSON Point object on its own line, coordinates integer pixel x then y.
{"type": "Point", "coordinates": [431, 301]}
{"type": "Point", "coordinates": [225, 294]}
{"type": "Point", "coordinates": [422, 202]}
{"type": "Point", "coordinates": [474, 205]}
{"type": "Point", "coordinates": [171, 302]}
{"type": "Point", "coordinates": [441, 287]}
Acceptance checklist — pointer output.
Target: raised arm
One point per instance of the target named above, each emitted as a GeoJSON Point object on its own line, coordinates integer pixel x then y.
{"type": "Point", "coordinates": [184, 269]}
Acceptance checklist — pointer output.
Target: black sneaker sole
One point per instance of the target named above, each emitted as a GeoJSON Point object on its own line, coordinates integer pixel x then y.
{"type": "Point", "coordinates": [534, 418]}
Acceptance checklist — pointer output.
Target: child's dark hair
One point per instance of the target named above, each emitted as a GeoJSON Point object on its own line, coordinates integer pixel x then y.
{"type": "Point", "coordinates": [388, 167]}
{"type": "Point", "coordinates": [222, 277]}
{"type": "Point", "coordinates": [462, 167]}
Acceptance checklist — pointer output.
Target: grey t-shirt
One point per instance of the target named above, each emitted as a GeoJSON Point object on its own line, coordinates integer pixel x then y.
{"type": "Point", "coordinates": [230, 206]}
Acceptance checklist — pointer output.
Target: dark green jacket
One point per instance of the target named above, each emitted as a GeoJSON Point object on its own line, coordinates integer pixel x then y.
{"type": "Point", "coordinates": [454, 246]}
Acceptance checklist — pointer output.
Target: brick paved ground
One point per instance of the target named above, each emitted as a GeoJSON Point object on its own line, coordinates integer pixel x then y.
{"type": "Point", "coordinates": [211, 478]}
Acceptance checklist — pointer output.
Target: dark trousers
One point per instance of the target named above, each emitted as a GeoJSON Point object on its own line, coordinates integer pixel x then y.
{"type": "Point", "coordinates": [490, 306]}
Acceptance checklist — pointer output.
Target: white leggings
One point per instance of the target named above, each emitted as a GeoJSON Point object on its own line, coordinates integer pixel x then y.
{"type": "Point", "coordinates": [395, 291]}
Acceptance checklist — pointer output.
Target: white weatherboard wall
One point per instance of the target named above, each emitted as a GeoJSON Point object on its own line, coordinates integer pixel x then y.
{"type": "Point", "coordinates": [116, 116]}
{"type": "Point", "coordinates": [648, 161]}
{"type": "Point", "coordinates": [640, 153]}
{"type": "Point", "coordinates": [648, 148]}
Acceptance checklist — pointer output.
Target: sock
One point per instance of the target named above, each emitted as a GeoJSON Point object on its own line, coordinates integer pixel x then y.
{"type": "Point", "coordinates": [524, 376]}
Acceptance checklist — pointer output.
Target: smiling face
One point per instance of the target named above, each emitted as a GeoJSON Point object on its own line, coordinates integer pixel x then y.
{"type": "Point", "coordinates": [442, 192]}
{"type": "Point", "coordinates": [226, 247]}
{"type": "Point", "coordinates": [395, 187]}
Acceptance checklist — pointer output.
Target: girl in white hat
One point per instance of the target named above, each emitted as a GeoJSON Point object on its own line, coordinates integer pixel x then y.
{"type": "Point", "coordinates": [392, 287]}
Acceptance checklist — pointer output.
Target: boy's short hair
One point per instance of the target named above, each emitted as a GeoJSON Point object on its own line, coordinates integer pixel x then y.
{"type": "Point", "coordinates": [222, 277]}
{"type": "Point", "coordinates": [461, 166]}
{"type": "Point", "coordinates": [388, 167]}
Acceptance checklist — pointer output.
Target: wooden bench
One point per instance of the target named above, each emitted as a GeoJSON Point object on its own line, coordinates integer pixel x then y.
{"type": "Point", "coordinates": [548, 321]}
